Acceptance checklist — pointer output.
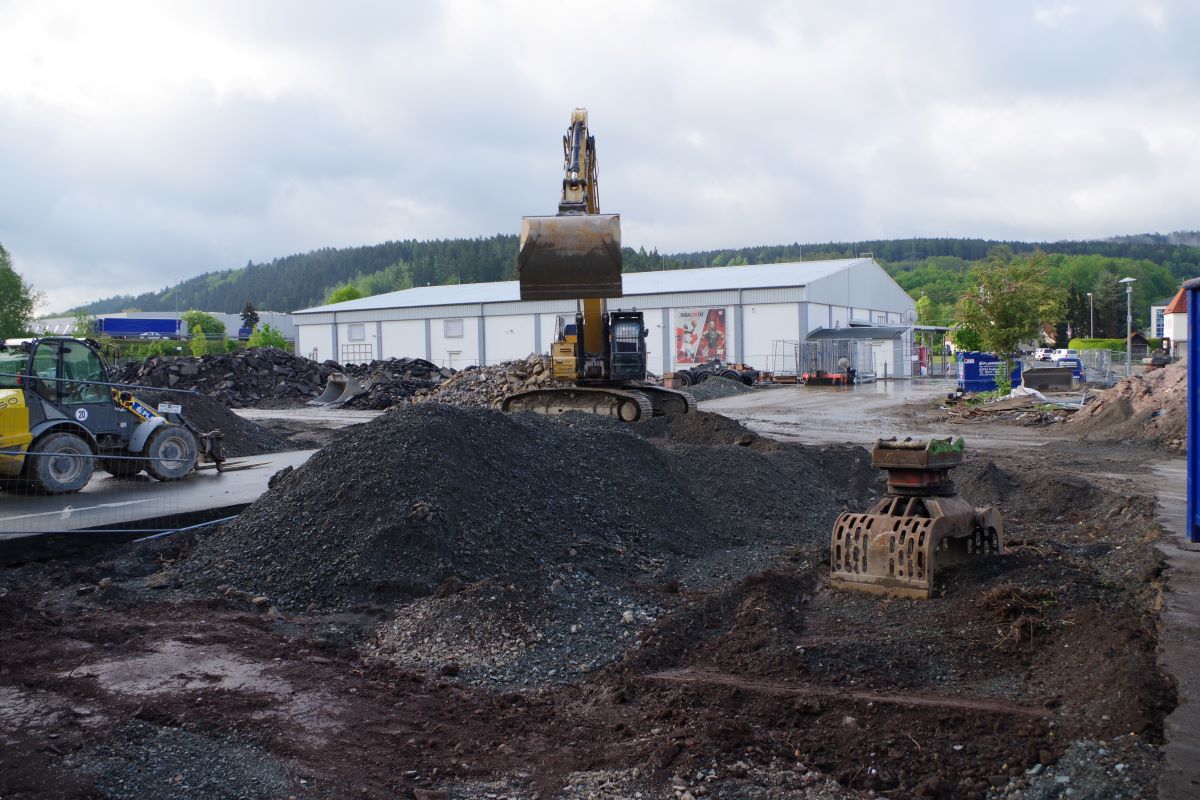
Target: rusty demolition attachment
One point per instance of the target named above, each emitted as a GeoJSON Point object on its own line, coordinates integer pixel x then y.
{"type": "Point", "coordinates": [918, 527]}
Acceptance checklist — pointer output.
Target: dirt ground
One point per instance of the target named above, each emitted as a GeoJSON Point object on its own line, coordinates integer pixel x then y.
{"type": "Point", "coordinates": [736, 673]}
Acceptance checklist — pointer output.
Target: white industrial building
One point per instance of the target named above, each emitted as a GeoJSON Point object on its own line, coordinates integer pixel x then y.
{"type": "Point", "coordinates": [736, 313]}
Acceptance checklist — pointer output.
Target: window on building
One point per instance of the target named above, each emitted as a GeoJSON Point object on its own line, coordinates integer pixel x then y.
{"type": "Point", "coordinates": [452, 328]}
{"type": "Point", "coordinates": [356, 333]}
{"type": "Point", "coordinates": [881, 319]}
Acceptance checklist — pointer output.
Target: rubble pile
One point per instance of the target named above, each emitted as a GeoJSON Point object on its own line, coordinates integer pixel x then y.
{"type": "Point", "coordinates": [237, 380]}
{"type": "Point", "coordinates": [394, 380]}
{"type": "Point", "coordinates": [1150, 408]}
{"type": "Point", "coordinates": [487, 386]}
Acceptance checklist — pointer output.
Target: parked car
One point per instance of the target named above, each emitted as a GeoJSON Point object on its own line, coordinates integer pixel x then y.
{"type": "Point", "coordinates": [1043, 354]}
{"type": "Point", "coordinates": [1064, 352]}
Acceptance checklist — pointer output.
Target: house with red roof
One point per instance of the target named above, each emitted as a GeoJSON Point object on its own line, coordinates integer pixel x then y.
{"type": "Point", "coordinates": [1175, 324]}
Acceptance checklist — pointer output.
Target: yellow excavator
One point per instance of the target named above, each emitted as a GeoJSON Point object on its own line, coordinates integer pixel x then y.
{"type": "Point", "coordinates": [576, 255]}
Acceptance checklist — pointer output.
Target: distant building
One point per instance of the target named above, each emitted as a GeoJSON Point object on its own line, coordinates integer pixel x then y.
{"type": "Point", "coordinates": [752, 311]}
{"type": "Point", "coordinates": [1175, 324]}
{"type": "Point", "coordinates": [232, 322]}
{"type": "Point", "coordinates": [1156, 318]}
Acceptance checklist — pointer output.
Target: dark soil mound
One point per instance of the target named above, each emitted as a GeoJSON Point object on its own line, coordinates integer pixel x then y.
{"type": "Point", "coordinates": [983, 484]}
{"type": "Point", "coordinates": [242, 437]}
{"type": "Point", "coordinates": [429, 492]}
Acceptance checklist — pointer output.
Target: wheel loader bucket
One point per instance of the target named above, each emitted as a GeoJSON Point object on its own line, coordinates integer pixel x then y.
{"type": "Point", "coordinates": [340, 388]}
{"type": "Point", "coordinates": [570, 257]}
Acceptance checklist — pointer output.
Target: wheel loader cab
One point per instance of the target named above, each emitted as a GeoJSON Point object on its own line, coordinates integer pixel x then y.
{"type": "Point", "coordinates": [70, 374]}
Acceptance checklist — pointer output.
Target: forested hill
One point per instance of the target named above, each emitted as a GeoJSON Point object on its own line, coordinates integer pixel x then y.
{"type": "Point", "coordinates": [303, 280]}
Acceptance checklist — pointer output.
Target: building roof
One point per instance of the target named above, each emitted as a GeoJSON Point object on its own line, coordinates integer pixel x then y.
{"type": "Point", "coordinates": [863, 332]}
{"type": "Point", "coordinates": [759, 276]}
{"type": "Point", "coordinates": [1178, 303]}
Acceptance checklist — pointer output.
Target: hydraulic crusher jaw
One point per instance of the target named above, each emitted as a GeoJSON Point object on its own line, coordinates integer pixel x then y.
{"type": "Point", "coordinates": [917, 528]}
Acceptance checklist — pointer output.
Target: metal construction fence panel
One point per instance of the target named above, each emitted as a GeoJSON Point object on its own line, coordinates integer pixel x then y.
{"type": "Point", "coordinates": [835, 355]}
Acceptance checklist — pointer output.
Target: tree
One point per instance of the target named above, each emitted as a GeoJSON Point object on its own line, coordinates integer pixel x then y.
{"type": "Point", "coordinates": [1110, 306]}
{"type": "Point", "coordinates": [249, 316]}
{"type": "Point", "coordinates": [343, 293]}
{"type": "Point", "coordinates": [201, 324]}
{"type": "Point", "coordinates": [84, 326]}
{"type": "Point", "coordinates": [1009, 303]}
{"type": "Point", "coordinates": [18, 300]}
{"type": "Point", "coordinates": [924, 310]}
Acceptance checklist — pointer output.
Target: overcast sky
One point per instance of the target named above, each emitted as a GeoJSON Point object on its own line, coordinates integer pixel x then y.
{"type": "Point", "coordinates": [144, 143]}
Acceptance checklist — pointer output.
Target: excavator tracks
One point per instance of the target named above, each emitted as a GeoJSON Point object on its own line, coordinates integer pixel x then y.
{"type": "Point", "coordinates": [668, 402]}
{"type": "Point", "coordinates": [627, 405]}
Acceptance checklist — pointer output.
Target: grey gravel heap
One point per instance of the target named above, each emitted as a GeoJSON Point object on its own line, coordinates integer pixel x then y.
{"type": "Point", "coordinates": [429, 493]}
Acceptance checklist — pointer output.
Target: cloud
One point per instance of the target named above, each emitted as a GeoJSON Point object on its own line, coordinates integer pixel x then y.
{"type": "Point", "coordinates": [143, 143]}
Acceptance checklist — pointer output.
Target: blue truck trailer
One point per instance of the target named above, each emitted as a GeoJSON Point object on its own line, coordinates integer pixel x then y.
{"type": "Point", "coordinates": [128, 328]}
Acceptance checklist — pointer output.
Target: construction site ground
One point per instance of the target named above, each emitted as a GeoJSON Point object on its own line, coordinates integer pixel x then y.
{"type": "Point", "coordinates": [678, 640]}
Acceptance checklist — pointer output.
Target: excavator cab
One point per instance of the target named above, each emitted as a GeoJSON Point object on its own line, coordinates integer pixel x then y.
{"type": "Point", "coordinates": [627, 346]}
{"type": "Point", "coordinates": [576, 253]}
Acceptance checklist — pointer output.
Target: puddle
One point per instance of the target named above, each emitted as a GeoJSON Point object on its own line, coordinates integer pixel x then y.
{"type": "Point", "coordinates": [176, 666]}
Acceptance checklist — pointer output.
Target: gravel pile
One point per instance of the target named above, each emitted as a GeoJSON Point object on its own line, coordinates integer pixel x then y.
{"type": "Point", "coordinates": [394, 380]}
{"type": "Point", "coordinates": [238, 380]}
{"type": "Point", "coordinates": [242, 436]}
{"type": "Point", "coordinates": [487, 386]}
{"type": "Point", "coordinates": [1148, 408]}
{"type": "Point", "coordinates": [430, 495]}
{"type": "Point", "coordinates": [716, 387]}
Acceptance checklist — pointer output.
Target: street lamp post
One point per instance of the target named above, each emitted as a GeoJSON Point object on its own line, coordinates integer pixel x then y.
{"type": "Point", "coordinates": [1128, 324]}
{"type": "Point", "coordinates": [1091, 316]}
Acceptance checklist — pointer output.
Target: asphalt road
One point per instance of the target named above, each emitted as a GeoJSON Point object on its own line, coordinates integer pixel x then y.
{"type": "Point", "coordinates": [113, 503]}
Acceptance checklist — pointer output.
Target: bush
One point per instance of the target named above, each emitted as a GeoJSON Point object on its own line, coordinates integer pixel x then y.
{"type": "Point", "coordinates": [266, 336]}
{"type": "Point", "coordinates": [1117, 345]}
{"type": "Point", "coordinates": [199, 346]}
{"type": "Point", "coordinates": [232, 345]}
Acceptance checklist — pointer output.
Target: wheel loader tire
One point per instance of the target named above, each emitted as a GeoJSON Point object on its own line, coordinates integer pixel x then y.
{"type": "Point", "coordinates": [170, 453]}
{"type": "Point", "coordinates": [685, 378]}
{"type": "Point", "coordinates": [732, 374]}
{"type": "Point", "coordinates": [122, 467]}
{"type": "Point", "coordinates": [64, 463]}
{"type": "Point", "coordinates": [702, 376]}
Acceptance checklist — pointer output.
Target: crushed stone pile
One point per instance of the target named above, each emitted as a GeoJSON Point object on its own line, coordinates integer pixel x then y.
{"type": "Point", "coordinates": [430, 495]}
{"type": "Point", "coordinates": [394, 380]}
{"type": "Point", "coordinates": [237, 380]}
{"type": "Point", "coordinates": [242, 436]}
{"type": "Point", "coordinates": [487, 386]}
{"type": "Point", "coordinates": [1149, 408]}
{"type": "Point", "coordinates": [716, 387]}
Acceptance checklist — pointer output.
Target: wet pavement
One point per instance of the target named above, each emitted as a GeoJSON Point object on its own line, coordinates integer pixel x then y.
{"type": "Point", "coordinates": [856, 414]}
{"type": "Point", "coordinates": [110, 502]}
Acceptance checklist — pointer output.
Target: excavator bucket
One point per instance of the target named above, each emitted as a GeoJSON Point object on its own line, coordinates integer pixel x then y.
{"type": "Point", "coordinates": [340, 388]}
{"type": "Point", "coordinates": [570, 256]}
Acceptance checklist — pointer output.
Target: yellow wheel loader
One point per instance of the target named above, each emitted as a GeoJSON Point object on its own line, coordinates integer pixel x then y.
{"type": "Point", "coordinates": [60, 415]}
{"type": "Point", "coordinates": [576, 255]}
